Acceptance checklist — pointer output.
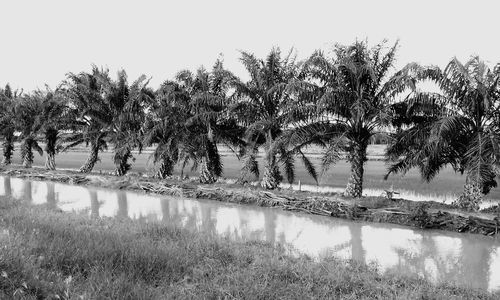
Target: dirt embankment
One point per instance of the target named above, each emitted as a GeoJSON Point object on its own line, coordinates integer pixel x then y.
{"type": "Point", "coordinates": [429, 215]}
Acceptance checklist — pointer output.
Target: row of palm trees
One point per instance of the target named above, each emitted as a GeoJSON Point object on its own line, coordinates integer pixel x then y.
{"type": "Point", "coordinates": [338, 102]}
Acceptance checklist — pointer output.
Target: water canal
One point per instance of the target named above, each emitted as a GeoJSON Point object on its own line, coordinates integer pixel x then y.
{"type": "Point", "coordinates": [440, 256]}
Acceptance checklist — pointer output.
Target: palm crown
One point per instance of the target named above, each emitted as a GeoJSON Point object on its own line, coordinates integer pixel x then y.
{"type": "Point", "coordinates": [53, 117]}
{"type": "Point", "coordinates": [354, 100]}
{"type": "Point", "coordinates": [27, 109]}
{"type": "Point", "coordinates": [268, 106]}
{"type": "Point", "coordinates": [210, 123]}
{"type": "Point", "coordinates": [165, 125]}
{"type": "Point", "coordinates": [107, 111]}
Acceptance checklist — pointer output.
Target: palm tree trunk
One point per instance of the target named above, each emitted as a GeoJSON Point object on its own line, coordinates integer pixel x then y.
{"type": "Point", "coordinates": [471, 196]}
{"type": "Point", "coordinates": [50, 148]}
{"type": "Point", "coordinates": [27, 152]}
{"type": "Point", "coordinates": [206, 175]}
{"type": "Point", "coordinates": [8, 149]}
{"type": "Point", "coordinates": [50, 161]}
{"type": "Point", "coordinates": [249, 166]}
{"type": "Point", "coordinates": [357, 158]}
{"type": "Point", "coordinates": [166, 167]}
{"type": "Point", "coordinates": [272, 176]}
{"type": "Point", "coordinates": [92, 159]}
{"type": "Point", "coordinates": [121, 162]}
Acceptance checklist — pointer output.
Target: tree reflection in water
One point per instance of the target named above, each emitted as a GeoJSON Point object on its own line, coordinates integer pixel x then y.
{"type": "Point", "coordinates": [475, 263]}
{"type": "Point", "coordinates": [191, 215]}
{"type": "Point", "coordinates": [357, 251]}
{"type": "Point", "coordinates": [170, 214]}
{"type": "Point", "coordinates": [27, 191]}
{"type": "Point", "coordinates": [430, 260]}
{"type": "Point", "coordinates": [122, 205]}
{"type": "Point", "coordinates": [94, 204]}
{"type": "Point", "coordinates": [6, 186]}
{"type": "Point", "coordinates": [208, 222]}
{"type": "Point", "coordinates": [51, 196]}
{"type": "Point", "coordinates": [270, 226]}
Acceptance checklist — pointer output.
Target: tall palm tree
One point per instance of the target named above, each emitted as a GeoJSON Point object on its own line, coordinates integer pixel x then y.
{"type": "Point", "coordinates": [7, 117]}
{"type": "Point", "coordinates": [354, 98]}
{"type": "Point", "coordinates": [85, 93]}
{"type": "Point", "coordinates": [267, 107]}
{"type": "Point", "coordinates": [53, 117]}
{"type": "Point", "coordinates": [27, 109]}
{"type": "Point", "coordinates": [210, 123]}
{"type": "Point", "coordinates": [459, 127]}
{"type": "Point", "coordinates": [165, 125]}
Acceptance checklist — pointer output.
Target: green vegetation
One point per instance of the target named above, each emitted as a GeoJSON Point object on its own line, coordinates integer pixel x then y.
{"type": "Point", "coordinates": [52, 255]}
{"type": "Point", "coordinates": [273, 115]}
{"type": "Point", "coordinates": [7, 127]}
{"type": "Point", "coordinates": [106, 111]}
{"type": "Point", "coordinates": [51, 119]}
{"type": "Point", "coordinates": [460, 127]}
{"type": "Point", "coordinates": [338, 103]}
{"type": "Point", "coordinates": [356, 100]}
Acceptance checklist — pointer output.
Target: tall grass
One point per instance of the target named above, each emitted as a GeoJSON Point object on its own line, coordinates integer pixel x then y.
{"type": "Point", "coordinates": [49, 254]}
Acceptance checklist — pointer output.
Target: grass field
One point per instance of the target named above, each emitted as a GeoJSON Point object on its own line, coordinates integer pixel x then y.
{"type": "Point", "coordinates": [445, 184]}
{"type": "Point", "coordinates": [52, 255]}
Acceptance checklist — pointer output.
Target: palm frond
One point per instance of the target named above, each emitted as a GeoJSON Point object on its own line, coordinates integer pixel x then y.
{"type": "Point", "coordinates": [311, 170]}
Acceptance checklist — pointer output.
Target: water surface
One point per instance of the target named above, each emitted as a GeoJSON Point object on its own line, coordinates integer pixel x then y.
{"type": "Point", "coordinates": [440, 256]}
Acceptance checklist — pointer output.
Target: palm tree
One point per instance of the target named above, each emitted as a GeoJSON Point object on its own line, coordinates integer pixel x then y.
{"type": "Point", "coordinates": [210, 123]}
{"type": "Point", "coordinates": [7, 117]}
{"type": "Point", "coordinates": [126, 104]}
{"type": "Point", "coordinates": [27, 109]}
{"type": "Point", "coordinates": [52, 118]}
{"type": "Point", "coordinates": [459, 127]}
{"type": "Point", "coordinates": [268, 106]}
{"type": "Point", "coordinates": [354, 98]}
{"type": "Point", "coordinates": [107, 111]}
{"type": "Point", "coordinates": [85, 93]}
{"type": "Point", "coordinates": [165, 126]}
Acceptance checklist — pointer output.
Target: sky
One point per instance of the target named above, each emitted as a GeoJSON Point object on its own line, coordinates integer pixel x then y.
{"type": "Point", "coordinates": [41, 41]}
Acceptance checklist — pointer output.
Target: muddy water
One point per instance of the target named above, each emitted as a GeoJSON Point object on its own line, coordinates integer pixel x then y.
{"type": "Point", "coordinates": [439, 256]}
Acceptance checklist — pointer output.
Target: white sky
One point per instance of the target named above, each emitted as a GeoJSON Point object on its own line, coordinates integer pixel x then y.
{"type": "Point", "coordinates": [43, 40]}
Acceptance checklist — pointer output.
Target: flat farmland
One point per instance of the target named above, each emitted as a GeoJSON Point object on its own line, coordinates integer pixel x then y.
{"type": "Point", "coordinates": [446, 184]}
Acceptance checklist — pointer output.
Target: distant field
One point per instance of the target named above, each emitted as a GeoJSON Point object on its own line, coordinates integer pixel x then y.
{"type": "Point", "coordinates": [446, 183]}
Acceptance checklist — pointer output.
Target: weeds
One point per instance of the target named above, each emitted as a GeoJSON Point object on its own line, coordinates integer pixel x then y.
{"type": "Point", "coordinates": [421, 215]}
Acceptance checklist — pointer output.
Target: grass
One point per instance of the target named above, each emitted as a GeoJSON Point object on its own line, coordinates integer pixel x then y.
{"type": "Point", "coordinates": [52, 255]}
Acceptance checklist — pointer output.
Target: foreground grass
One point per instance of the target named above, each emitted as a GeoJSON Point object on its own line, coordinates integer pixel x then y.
{"type": "Point", "coordinates": [53, 255]}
